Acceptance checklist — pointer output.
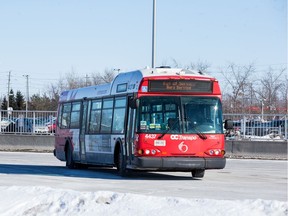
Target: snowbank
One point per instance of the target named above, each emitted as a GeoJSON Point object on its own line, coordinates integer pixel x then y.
{"type": "Point", "coordinates": [47, 201]}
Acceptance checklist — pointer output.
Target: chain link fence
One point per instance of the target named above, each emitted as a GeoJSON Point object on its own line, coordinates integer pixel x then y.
{"type": "Point", "coordinates": [246, 126]}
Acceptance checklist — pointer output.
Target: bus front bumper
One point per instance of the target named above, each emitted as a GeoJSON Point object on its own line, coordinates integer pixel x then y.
{"type": "Point", "coordinates": [177, 163]}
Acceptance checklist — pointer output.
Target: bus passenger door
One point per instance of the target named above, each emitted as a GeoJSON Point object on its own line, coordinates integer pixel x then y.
{"type": "Point", "coordinates": [83, 130]}
{"type": "Point", "coordinates": [130, 133]}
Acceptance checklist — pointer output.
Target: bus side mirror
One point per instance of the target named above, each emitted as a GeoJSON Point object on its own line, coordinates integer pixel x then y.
{"type": "Point", "coordinates": [133, 103]}
{"type": "Point", "coordinates": [228, 124]}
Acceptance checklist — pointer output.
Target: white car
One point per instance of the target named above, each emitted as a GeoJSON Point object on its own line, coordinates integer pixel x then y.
{"type": "Point", "coordinates": [4, 123]}
{"type": "Point", "coordinates": [41, 129]}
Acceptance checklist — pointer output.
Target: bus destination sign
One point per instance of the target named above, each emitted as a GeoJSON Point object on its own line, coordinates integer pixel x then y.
{"type": "Point", "coordinates": [180, 86]}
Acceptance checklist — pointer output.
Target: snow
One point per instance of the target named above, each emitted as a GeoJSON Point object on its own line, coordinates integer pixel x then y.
{"type": "Point", "coordinates": [38, 200]}
{"type": "Point", "coordinates": [38, 184]}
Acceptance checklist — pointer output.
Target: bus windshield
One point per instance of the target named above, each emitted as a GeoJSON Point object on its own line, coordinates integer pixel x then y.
{"type": "Point", "coordinates": [175, 114]}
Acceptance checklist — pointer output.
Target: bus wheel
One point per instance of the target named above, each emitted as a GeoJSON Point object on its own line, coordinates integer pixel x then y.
{"type": "Point", "coordinates": [69, 158]}
{"type": "Point", "coordinates": [198, 173]}
{"type": "Point", "coordinates": [121, 164]}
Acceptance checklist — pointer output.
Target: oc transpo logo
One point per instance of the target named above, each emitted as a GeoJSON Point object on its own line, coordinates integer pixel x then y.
{"type": "Point", "coordinates": [174, 137]}
{"type": "Point", "coordinates": [183, 147]}
{"type": "Point", "coordinates": [182, 137]}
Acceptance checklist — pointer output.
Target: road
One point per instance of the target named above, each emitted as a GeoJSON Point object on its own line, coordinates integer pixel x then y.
{"type": "Point", "coordinates": [241, 179]}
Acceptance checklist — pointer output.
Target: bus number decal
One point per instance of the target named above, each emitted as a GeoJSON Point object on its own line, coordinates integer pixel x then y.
{"type": "Point", "coordinates": [150, 136]}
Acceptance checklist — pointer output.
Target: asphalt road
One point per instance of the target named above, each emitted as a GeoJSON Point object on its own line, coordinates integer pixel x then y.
{"type": "Point", "coordinates": [241, 179]}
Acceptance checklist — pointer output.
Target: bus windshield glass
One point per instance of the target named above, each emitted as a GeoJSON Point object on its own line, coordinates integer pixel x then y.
{"type": "Point", "coordinates": [175, 114]}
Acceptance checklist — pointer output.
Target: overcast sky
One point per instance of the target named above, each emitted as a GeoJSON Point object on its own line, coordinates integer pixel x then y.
{"type": "Point", "coordinates": [47, 39]}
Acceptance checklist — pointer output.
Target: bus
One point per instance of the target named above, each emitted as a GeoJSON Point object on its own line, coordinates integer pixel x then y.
{"type": "Point", "coordinates": [154, 119]}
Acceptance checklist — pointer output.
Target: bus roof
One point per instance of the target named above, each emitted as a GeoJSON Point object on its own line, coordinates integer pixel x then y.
{"type": "Point", "coordinates": [129, 82]}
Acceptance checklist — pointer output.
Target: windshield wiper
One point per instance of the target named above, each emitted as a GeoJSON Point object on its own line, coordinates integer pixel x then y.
{"type": "Point", "coordinates": [169, 128]}
{"type": "Point", "coordinates": [164, 133]}
{"type": "Point", "coordinates": [199, 133]}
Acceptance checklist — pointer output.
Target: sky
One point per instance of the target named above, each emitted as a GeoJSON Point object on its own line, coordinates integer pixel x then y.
{"type": "Point", "coordinates": [41, 200]}
{"type": "Point", "coordinates": [47, 39]}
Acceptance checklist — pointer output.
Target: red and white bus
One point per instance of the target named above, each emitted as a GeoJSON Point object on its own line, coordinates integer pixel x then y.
{"type": "Point", "coordinates": [159, 119]}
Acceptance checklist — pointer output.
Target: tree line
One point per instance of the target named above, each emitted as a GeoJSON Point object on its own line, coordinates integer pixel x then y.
{"type": "Point", "coordinates": [243, 89]}
{"type": "Point", "coordinates": [246, 91]}
{"type": "Point", "coordinates": [48, 101]}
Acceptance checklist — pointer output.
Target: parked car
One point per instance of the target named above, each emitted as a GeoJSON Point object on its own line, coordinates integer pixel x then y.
{"type": "Point", "coordinates": [5, 122]}
{"type": "Point", "coordinates": [51, 125]}
{"type": "Point", "coordinates": [233, 133]}
{"type": "Point", "coordinates": [8, 125]}
{"type": "Point", "coordinates": [272, 128]}
{"type": "Point", "coordinates": [24, 125]}
{"type": "Point", "coordinates": [40, 126]}
{"type": "Point", "coordinates": [21, 125]}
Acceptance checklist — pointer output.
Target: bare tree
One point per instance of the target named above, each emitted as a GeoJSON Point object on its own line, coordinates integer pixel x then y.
{"type": "Point", "coordinates": [237, 78]}
{"type": "Point", "coordinates": [100, 78]}
{"type": "Point", "coordinates": [270, 90]}
{"type": "Point", "coordinates": [74, 81]}
{"type": "Point", "coordinates": [175, 64]}
{"type": "Point", "coordinates": [201, 66]}
{"type": "Point", "coordinates": [284, 94]}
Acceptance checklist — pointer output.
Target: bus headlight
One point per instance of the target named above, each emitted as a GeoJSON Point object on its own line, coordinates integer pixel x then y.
{"type": "Point", "coordinates": [215, 152]}
{"type": "Point", "coordinates": [151, 152]}
{"type": "Point", "coordinates": [147, 151]}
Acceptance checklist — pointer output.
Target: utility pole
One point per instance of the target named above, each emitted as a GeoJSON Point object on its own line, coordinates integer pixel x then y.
{"type": "Point", "coordinates": [27, 92]}
{"type": "Point", "coordinates": [154, 34]}
{"type": "Point", "coordinates": [86, 80]}
{"type": "Point", "coordinates": [286, 98]}
{"type": "Point", "coordinates": [9, 78]}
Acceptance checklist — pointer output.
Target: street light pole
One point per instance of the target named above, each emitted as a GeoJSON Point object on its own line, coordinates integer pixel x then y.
{"type": "Point", "coordinates": [153, 34]}
{"type": "Point", "coordinates": [262, 111]}
{"type": "Point", "coordinates": [8, 104]}
{"type": "Point", "coordinates": [27, 93]}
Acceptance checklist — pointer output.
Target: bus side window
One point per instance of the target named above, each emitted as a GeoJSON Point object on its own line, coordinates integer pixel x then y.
{"type": "Point", "coordinates": [95, 116]}
{"type": "Point", "coordinates": [75, 115]}
{"type": "Point", "coordinates": [59, 116]}
{"type": "Point", "coordinates": [106, 118]}
{"type": "Point", "coordinates": [119, 115]}
{"type": "Point", "coordinates": [65, 117]}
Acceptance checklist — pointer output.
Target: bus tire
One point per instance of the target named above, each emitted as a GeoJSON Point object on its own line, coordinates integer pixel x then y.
{"type": "Point", "coordinates": [121, 163]}
{"type": "Point", "coordinates": [69, 157]}
{"type": "Point", "coordinates": [198, 173]}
